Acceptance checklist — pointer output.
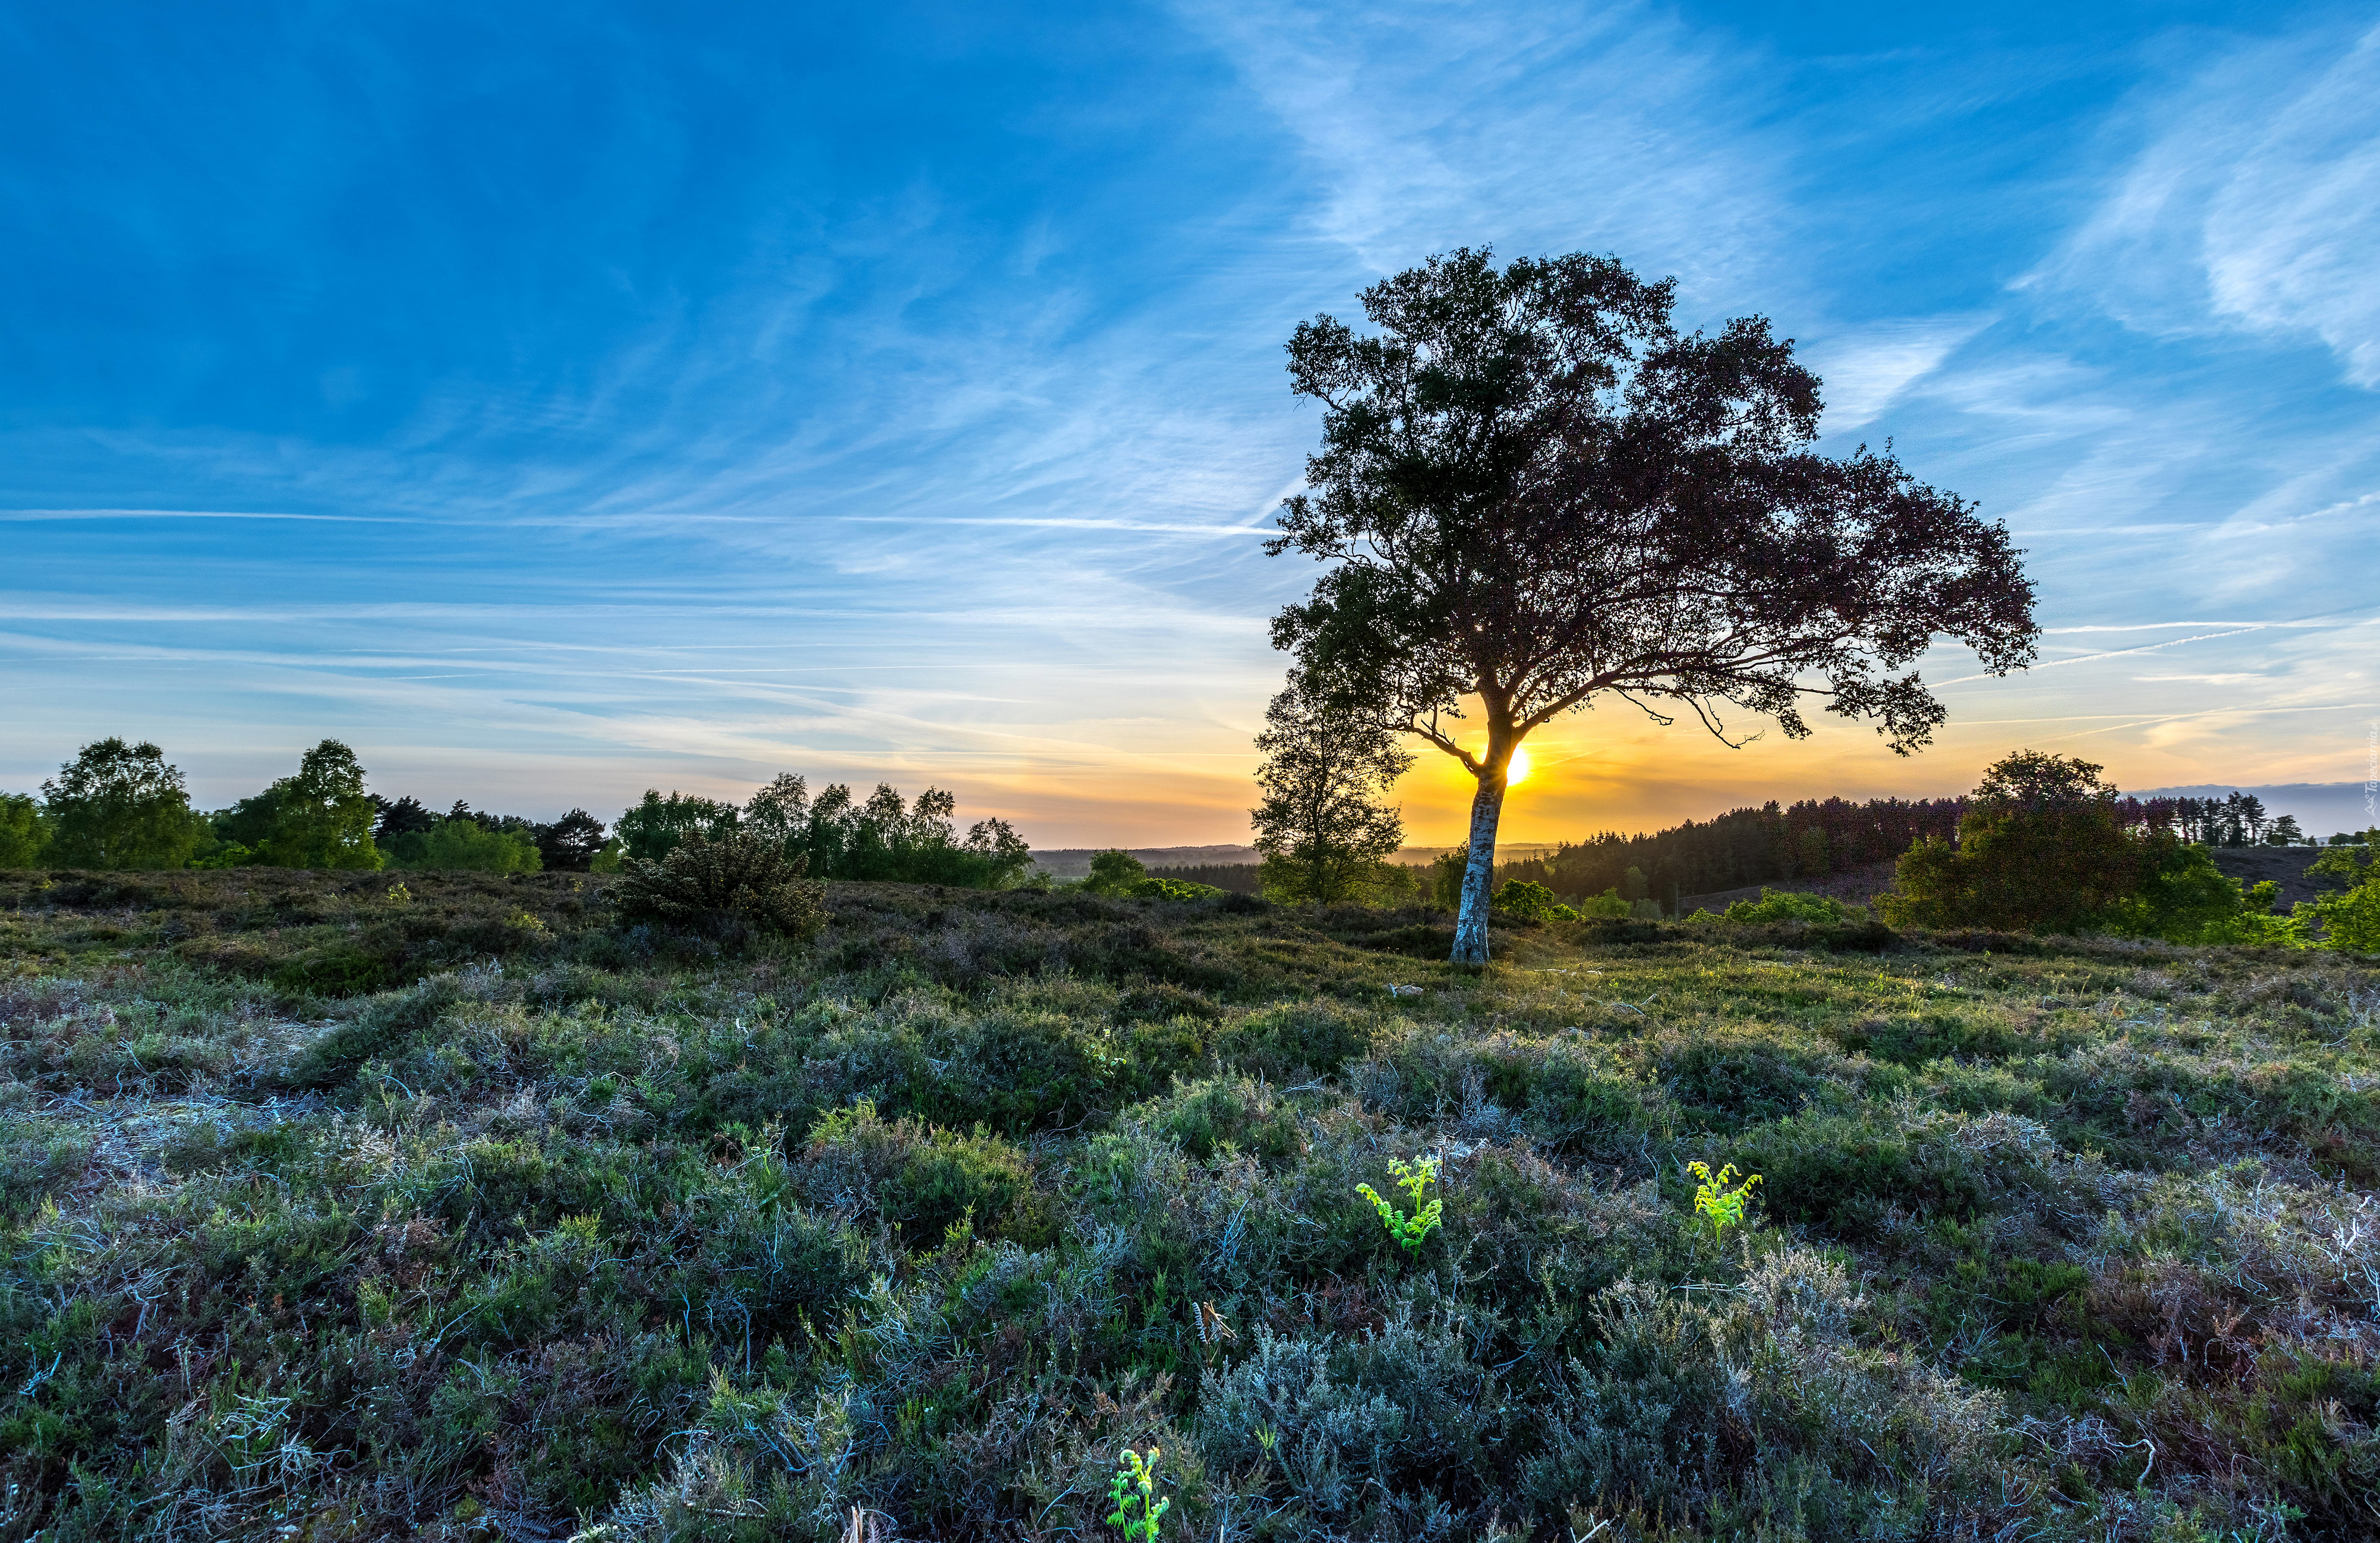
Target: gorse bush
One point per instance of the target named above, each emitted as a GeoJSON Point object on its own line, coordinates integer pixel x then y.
{"type": "Point", "coordinates": [739, 882]}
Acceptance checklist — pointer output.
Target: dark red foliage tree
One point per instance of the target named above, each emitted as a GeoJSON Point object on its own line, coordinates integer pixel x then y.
{"type": "Point", "coordinates": [1534, 491]}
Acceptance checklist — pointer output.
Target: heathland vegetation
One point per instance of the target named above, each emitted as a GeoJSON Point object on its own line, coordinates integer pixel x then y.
{"type": "Point", "coordinates": [704, 1201]}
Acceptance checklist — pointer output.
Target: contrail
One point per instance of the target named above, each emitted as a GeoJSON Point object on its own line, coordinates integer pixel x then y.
{"type": "Point", "coordinates": [2118, 653]}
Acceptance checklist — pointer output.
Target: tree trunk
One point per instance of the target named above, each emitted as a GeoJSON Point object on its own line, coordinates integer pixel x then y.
{"type": "Point", "coordinates": [1471, 921]}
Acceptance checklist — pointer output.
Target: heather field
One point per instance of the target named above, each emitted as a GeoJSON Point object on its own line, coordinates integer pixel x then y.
{"type": "Point", "coordinates": [368, 1206]}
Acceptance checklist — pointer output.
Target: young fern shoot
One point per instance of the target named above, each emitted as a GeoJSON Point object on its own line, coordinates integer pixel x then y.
{"type": "Point", "coordinates": [1716, 1203]}
{"type": "Point", "coordinates": [1134, 1493]}
{"type": "Point", "coordinates": [1413, 1178]}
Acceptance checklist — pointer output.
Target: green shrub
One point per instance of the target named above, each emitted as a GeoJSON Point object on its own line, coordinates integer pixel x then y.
{"type": "Point", "coordinates": [1154, 888]}
{"type": "Point", "coordinates": [464, 846]}
{"type": "Point", "coordinates": [1116, 872]}
{"type": "Point", "coordinates": [1608, 906]}
{"type": "Point", "coordinates": [1846, 1174]}
{"type": "Point", "coordinates": [2351, 922]}
{"type": "Point", "coordinates": [1776, 905]}
{"type": "Point", "coordinates": [1531, 902]}
{"type": "Point", "coordinates": [1733, 1077]}
{"type": "Point", "coordinates": [338, 971]}
{"type": "Point", "coordinates": [1360, 1428]}
{"type": "Point", "coordinates": [918, 1178]}
{"type": "Point", "coordinates": [24, 830]}
{"type": "Point", "coordinates": [1295, 1041]}
{"type": "Point", "coordinates": [1234, 1115]}
{"type": "Point", "coordinates": [732, 886]}
{"type": "Point", "coordinates": [1761, 1413]}
{"type": "Point", "coordinates": [383, 1028]}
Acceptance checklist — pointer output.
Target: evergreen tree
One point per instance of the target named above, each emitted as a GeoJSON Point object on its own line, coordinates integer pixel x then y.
{"type": "Point", "coordinates": [403, 817]}
{"type": "Point", "coordinates": [571, 843]}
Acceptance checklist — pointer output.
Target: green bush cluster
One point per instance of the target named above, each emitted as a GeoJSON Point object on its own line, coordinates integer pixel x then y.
{"type": "Point", "coordinates": [2041, 850]}
{"type": "Point", "coordinates": [1789, 906]}
{"type": "Point", "coordinates": [1121, 874]}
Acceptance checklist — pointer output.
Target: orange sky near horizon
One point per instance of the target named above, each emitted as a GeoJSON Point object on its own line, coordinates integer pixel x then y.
{"type": "Point", "coordinates": [1613, 769]}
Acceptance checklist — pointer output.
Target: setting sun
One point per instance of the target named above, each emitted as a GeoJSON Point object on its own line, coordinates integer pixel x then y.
{"type": "Point", "coordinates": [1519, 769]}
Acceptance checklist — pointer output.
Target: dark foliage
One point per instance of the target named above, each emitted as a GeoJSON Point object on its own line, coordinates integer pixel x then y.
{"type": "Point", "coordinates": [405, 816]}
{"type": "Point", "coordinates": [571, 843]}
{"type": "Point", "coordinates": [2045, 847]}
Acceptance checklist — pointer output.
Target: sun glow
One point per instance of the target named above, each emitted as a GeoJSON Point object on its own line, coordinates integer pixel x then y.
{"type": "Point", "coordinates": [1518, 768]}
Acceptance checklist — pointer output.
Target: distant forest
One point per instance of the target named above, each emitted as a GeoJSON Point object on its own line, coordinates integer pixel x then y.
{"type": "Point", "coordinates": [1815, 837]}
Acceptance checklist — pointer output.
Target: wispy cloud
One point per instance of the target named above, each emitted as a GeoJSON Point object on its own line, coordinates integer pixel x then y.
{"type": "Point", "coordinates": [2256, 205]}
{"type": "Point", "coordinates": [1534, 128]}
{"type": "Point", "coordinates": [1866, 370]}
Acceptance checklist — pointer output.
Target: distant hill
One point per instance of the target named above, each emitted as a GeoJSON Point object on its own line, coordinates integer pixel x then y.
{"type": "Point", "coordinates": [1074, 862]}
{"type": "Point", "coordinates": [2322, 809]}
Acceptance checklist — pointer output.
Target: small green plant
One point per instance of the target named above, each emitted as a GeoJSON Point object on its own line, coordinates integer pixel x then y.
{"type": "Point", "coordinates": [399, 895]}
{"type": "Point", "coordinates": [1134, 1494]}
{"type": "Point", "coordinates": [1715, 1202]}
{"type": "Point", "coordinates": [1413, 1178]}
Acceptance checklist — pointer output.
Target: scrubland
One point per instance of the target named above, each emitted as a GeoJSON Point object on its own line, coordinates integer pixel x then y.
{"type": "Point", "coordinates": [338, 1208]}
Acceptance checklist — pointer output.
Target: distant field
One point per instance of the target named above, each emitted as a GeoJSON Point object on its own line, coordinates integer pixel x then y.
{"type": "Point", "coordinates": [338, 1209]}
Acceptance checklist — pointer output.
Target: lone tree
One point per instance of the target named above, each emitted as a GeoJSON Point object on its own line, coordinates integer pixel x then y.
{"type": "Point", "coordinates": [1322, 827]}
{"type": "Point", "coordinates": [1534, 491]}
{"type": "Point", "coordinates": [118, 806]}
{"type": "Point", "coordinates": [323, 817]}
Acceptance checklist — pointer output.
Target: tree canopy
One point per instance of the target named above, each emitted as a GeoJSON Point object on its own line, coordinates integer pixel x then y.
{"type": "Point", "coordinates": [119, 806]}
{"type": "Point", "coordinates": [24, 830]}
{"type": "Point", "coordinates": [1534, 491]}
{"type": "Point", "coordinates": [321, 817]}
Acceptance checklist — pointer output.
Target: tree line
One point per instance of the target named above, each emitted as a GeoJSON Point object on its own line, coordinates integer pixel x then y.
{"type": "Point", "coordinates": [124, 806]}
{"type": "Point", "coordinates": [1812, 838]}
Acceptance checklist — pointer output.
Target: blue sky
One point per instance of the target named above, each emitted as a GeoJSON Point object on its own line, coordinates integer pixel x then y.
{"type": "Point", "coordinates": [564, 400]}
